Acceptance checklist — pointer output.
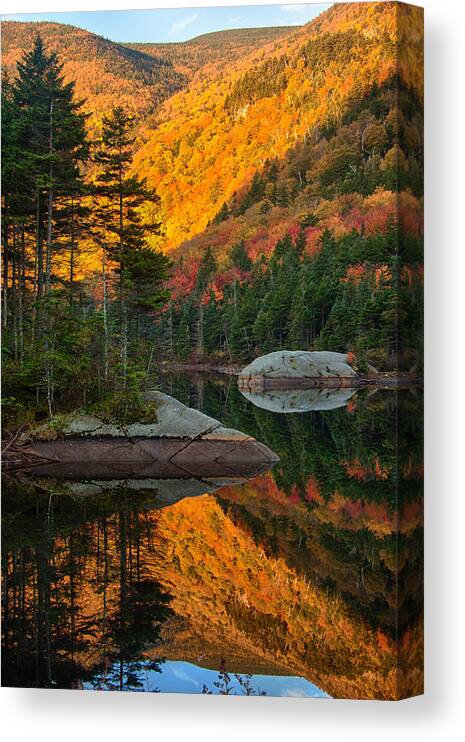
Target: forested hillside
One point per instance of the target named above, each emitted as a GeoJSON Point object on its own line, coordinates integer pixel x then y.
{"type": "Point", "coordinates": [105, 73]}
{"type": "Point", "coordinates": [271, 200]}
{"type": "Point", "coordinates": [211, 138]}
{"type": "Point", "coordinates": [212, 52]}
{"type": "Point", "coordinates": [291, 186]}
{"type": "Point", "coordinates": [137, 76]}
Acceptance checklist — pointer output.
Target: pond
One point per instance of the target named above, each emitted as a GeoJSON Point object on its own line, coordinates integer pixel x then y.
{"type": "Point", "coordinates": [305, 580]}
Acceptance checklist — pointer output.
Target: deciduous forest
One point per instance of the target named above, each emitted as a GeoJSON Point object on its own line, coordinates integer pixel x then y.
{"type": "Point", "coordinates": [156, 207]}
{"type": "Point", "coordinates": [173, 209]}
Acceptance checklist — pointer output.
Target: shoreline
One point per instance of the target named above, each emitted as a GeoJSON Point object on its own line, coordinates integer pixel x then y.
{"type": "Point", "coordinates": [389, 380]}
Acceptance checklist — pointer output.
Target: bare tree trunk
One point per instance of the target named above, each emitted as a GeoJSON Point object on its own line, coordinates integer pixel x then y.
{"type": "Point", "coordinates": [247, 341]}
{"type": "Point", "coordinates": [49, 377]}
{"type": "Point", "coordinates": [105, 316]}
{"type": "Point", "coordinates": [48, 259]}
{"type": "Point", "coordinates": [5, 271]}
{"type": "Point", "coordinates": [200, 330]}
{"type": "Point", "coordinates": [71, 256]}
{"type": "Point", "coordinates": [39, 279]}
{"type": "Point", "coordinates": [21, 296]}
{"type": "Point", "coordinates": [227, 345]}
{"type": "Point", "coordinates": [124, 311]}
{"type": "Point", "coordinates": [171, 333]}
{"type": "Point", "coordinates": [14, 281]}
{"type": "Point", "coordinates": [124, 349]}
{"type": "Point", "coordinates": [149, 364]}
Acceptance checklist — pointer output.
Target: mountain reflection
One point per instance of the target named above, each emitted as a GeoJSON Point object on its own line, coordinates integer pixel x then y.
{"type": "Point", "coordinates": [311, 570]}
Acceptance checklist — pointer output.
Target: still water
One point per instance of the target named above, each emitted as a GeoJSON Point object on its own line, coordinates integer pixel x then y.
{"type": "Point", "coordinates": [305, 580]}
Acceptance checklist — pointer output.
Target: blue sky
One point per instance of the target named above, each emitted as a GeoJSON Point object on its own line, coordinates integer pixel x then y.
{"type": "Point", "coordinates": [185, 677]}
{"type": "Point", "coordinates": [178, 24]}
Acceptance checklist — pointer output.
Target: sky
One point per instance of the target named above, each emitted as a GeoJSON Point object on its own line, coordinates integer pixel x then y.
{"type": "Point", "coordinates": [178, 24]}
{"type": "Point", "coordinates": [185, 677]}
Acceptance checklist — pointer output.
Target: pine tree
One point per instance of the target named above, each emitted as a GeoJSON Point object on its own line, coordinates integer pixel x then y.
{"type": "Point", "coordinates": [207, 270]}
{"type": "Point", "coordinates": [240, 257]}
{"type": "Point", "coordinates": [10, 166]}
{"type": "Point", "coordinates": [50, 133]}
{"type": "Point", "coordinates": [121, 232]}
{"type": "Point", "coordinates": [212, 325]}
{"type": "Point", "coordinates": [222, 215]}
{"type": "Point", "coordinates": [44, 146]}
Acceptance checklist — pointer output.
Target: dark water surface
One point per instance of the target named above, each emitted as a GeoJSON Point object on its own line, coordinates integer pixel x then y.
{"type": "Point", "coordinates": [303, 581]}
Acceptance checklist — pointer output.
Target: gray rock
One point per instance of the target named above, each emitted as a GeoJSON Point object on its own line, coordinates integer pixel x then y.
{"type": "Point", "coordinates": [83, 424]}
{"type": "Point", "coordinates": [176, 420]}
{"type": "Point", "coordinates": [173, 420]}
{"type": "Point", "coordinates": [180, 436]}
{"type": "Point", "coordinates": [299, 364]}
{"type": "Point", "coordinates": [287, 401]}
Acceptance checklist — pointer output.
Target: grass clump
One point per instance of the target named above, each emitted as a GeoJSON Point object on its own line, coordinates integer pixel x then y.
{"type": "Point", "coordinates": [126, 406]}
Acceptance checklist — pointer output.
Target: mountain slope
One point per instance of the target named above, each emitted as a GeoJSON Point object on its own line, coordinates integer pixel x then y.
{"type": "Point", "coordinates": [210, 139]}
{"type": "Point", "coordinates": [106, 73]}
{"type": "Point", "coordinates": [213, 51]}
{"type": "Point", "coordinates": [137, 76]}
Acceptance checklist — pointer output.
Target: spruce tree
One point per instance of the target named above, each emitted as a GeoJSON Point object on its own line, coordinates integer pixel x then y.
{"type": "Point", "coordinates": [206, 271]}
{"type": "Point", "coordinates": [50, 133]}
{"type": "Point", "coordinates": [240, 257]}
{"type": "Point", "coordinates": [121, 231]}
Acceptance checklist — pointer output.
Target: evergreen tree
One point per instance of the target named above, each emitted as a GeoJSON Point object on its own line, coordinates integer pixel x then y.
{"type": "Point", "coordinates": [121, 231]}
{"type": "Point", "coordinates": [254, 194]}
{"type": "Point", "coordinates": [212, 326]}
{"type": "Point", "coordinates": [240, 257]}
{"type": "Point", "coordinates": [207, 270]}
{"type": "Point", "coordinates": [44, 147]}
{"type": "Point", "coordinates": [222, 215]}
{"type": "Point", "coordinates": [50, 133]}
{"type": "Point", "coordinates": [11, 164]}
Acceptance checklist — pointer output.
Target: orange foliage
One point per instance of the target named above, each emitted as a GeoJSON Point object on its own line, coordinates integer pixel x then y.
{"type": "Point", "coordinates": [199, 154]}
{"type": "Point", "coordinates": [363, 473]}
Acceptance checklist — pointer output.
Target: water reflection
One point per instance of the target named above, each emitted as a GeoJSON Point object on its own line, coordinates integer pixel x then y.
{"type": "Point", "coordinates": [185, 677]}
{"type": "Point", "coordinates": [299, 400]}
{"type": "Point", "coordinates": [312, 570]}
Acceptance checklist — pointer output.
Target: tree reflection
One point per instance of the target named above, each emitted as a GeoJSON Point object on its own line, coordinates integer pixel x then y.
{"type": "Point", "coordinates": [79, 604]}
{"type": "Point", "coordinates": [226, 686]}
{"type": "Point", "coordinates": [313, 569]}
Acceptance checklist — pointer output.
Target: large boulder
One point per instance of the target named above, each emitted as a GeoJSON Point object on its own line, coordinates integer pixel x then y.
{"type": "Point", "coordinates": [290, 368]}
{"type": "Point", "coordinates": [180, 440]}
{"type": "Point", "coordinates": [172, 419]}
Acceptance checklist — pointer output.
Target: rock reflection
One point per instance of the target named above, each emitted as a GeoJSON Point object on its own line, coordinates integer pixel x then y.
{"type": "Point", "coordinates": [299, 400]}
{"type": "Point", "coordinates": [312, 569]}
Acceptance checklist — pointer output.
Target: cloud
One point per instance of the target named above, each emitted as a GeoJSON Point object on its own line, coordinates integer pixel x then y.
{"type": "Point", "coordinates": [295, 9]}
{"type": "Point", "coordinates": [297, 14]}
{"type": "Point", "coordinates": [181, 25]}
{"type": "Point", "coordinates": [234, 20]}
{"type": "Point", "coordinates": [182, 675]}
{"type": "Point", "coordinates": [294, 693]}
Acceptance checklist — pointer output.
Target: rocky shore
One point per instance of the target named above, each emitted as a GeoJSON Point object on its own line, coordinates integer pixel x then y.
{"type": "Point", "coordinates": [388, 379]}
{"type": "Point", "coordinates": [180, 440]}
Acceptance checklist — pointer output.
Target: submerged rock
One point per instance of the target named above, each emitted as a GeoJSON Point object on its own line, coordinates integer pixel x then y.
{"type": "Point", "coordinates": [286, 401]}
{"type": "Point", "coordinates": [293, 368]}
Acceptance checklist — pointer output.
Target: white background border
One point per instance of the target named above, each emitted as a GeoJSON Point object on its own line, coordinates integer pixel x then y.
{"type": "Point", "coordinates": [72, 715]}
